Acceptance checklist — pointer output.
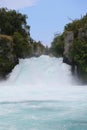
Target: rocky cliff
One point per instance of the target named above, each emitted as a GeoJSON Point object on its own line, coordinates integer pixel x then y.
{"type": "Point", "coordinates": [68, 41]}
{"type": "Point", "coordinates": [72, 44]}
{"type": "Point", "coordinates": [8, 58]}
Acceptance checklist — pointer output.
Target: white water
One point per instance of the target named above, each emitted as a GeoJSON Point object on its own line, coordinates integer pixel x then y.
{"type": "Point", "coordinates": [42, 94]}
{"type": "Point", "coordinates": [42, 78]}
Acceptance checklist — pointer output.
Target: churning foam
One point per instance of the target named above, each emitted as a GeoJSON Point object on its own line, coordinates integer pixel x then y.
{"type": "Point", "coordinates": [43, 78]}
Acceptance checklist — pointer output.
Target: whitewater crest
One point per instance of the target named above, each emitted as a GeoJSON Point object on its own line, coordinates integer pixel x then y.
{"type": "Point", "coordinates": [43, 78]}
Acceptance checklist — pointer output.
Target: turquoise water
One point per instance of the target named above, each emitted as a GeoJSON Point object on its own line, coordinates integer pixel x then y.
{"type": "Point", "coordinates": [42, 94]}
{"type": "Point", "coordinates": [43, 115]}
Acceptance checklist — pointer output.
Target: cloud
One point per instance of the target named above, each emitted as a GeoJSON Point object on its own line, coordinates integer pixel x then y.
{"type": "Point", "coordinates": [17, 4]}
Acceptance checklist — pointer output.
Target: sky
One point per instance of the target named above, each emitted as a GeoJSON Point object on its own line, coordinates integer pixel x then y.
{"type": "Point", "coordinates": [47, 17]}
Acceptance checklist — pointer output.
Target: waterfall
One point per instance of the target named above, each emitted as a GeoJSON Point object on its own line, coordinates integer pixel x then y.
{"type": "Point", "coordinates": [42, 78]}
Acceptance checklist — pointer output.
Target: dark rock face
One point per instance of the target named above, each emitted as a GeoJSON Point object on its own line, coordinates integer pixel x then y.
{"type": "Point", "coordinates": [69, 37]}
{"type": "Point", "coordinates": [8, 58]}
{"type": "Point", "coordinates": [67, 60]}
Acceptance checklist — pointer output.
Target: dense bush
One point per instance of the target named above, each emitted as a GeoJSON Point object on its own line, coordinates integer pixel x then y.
{"type": "Point", "coordinates": [14, 24]}
{"type": "Point", "coordinates": [57, 46]}
{"type": "Point", "coordinates": [12, 21]}
{"type": "Point", "coordinates": [78, 52]}
{"type": "Point", "coordinates": [15, 40]}
{"type": "Point", "coordinates": [76, 24]}
{"type": "Point", "coordinates": [8, 58]}
{"type": "Point", "coordinates": [21, 45]}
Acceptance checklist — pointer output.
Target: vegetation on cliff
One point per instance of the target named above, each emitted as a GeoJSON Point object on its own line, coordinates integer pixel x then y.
{"type": "Point", "coordinates": [8, 58]}
{"type": "Point", "coordinates": [78, 50]}
{"type": "Point", "coordinates": [76, 24]}
{"type": "Point", "coordinates": [15, 40]}
{"type": "Point", "coordinates": [76, 46]}
{"type": "Point", "coordinates": [57, 45]}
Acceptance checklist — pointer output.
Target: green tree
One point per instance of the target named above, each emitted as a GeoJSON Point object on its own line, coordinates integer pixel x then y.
{"type": "Point", "coordinates": [78, 52]}
{"type": "Point", "coordinates": [57, 46]}
{"type": "Point", "coordinates": [12, 21]}
{"type": "Point", "coordinates": [21, 45]}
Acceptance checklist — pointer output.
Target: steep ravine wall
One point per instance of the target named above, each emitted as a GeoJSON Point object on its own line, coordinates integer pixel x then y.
{"type": "Point", "coordinates": [69, 38]}
{"type": "Point", "coordinates": [8, 58]}
{"type": "Point", "coordinates": [68, 41]}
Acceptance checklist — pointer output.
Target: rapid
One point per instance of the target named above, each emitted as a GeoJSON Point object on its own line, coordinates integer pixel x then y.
{"type": "Point", "coordinates": [43, 94]}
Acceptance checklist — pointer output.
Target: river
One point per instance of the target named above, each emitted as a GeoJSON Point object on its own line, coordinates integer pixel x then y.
{"type": "Point", "coordinates": [43, 94]}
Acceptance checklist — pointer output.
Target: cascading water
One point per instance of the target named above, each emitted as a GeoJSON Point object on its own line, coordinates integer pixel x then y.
{"type": "Point", "coordinates": [42, 94]}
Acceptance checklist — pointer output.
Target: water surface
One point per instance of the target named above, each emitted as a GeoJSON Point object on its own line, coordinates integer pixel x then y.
{"type": "Point", "coordinates": [42, 94]}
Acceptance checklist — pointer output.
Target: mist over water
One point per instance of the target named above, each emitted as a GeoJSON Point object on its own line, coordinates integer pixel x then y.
{"type": "Point", "coordinates": [42, 78]}
{"type": "Point", "coordinates": [42, 94]}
